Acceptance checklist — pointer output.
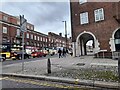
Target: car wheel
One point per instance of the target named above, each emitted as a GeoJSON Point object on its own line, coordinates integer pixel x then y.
{"type": "Point", "coordinates": [1, 59]}
{"type": "Point", "coordinates": [44, 55]}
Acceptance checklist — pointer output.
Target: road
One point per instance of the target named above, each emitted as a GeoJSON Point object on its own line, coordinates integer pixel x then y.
{"type": "Point", "coordinates": [7, 62]}
{"type": "Point", "coordinates": [15, 82]}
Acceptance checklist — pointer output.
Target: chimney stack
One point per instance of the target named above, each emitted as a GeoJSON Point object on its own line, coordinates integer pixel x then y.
{"type": "Point", "coordinates": [60, 34]}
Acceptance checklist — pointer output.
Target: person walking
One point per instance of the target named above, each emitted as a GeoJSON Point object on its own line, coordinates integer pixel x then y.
{"type": "Point", "coordinates": [64, 53]}
{"type": "Point", "coordinates": [59, 52]}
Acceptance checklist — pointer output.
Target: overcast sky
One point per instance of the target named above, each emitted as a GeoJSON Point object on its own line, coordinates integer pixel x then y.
{"type": "Point", "coordinates": [45, 16]}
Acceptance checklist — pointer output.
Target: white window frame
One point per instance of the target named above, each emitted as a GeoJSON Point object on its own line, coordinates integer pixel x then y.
{"type": "Point", "coordinates": [28, 36]}
{"type": "Point", "coordinates": [84, 18]}
{"type": "Point", "coordinates": [31, 36]}
{"type": "Point", "coordinates": [28, 26]}
{"type": "Point", "coordinates": [18, 32]}
{"type": "Point", "coordinates": [5, 30]}
{"type": "Point", "coordinates": [5, 18]}
{"type": "Point", "coordinates": [18, 22]}
{"type": "Point", "coordinates": [38, 38]}
{"type": "Point", "coordinates": [41, 39]}
{"type": "Point", "coordinates": [35, 37]}
{"type": "Point", "coordinates": [82, 1]}
{"type": "Point", "coordinates": [38, 44]}
{"type": "Point", "coordinates": [46, 39]}
{"type": "Point", "coordinates": [28, 43]}
{"type": "Point", "coordinates": [99, 15]}
{"type": "Point", "coordinates": [31, 27]}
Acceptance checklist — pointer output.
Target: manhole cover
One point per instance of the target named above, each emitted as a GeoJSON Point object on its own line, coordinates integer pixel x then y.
{"type": "Point", "coordinates": [80, 64]}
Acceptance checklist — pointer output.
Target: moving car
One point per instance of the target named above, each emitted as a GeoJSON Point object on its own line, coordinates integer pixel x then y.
{"type": "Point", "coordinates": [6, 54]}
{"type": "Point", "coordinates": [38, 54]}
{"type": "Point", "coordinates": [18, 55]}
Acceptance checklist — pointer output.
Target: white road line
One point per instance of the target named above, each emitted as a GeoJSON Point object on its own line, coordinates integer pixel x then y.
{"type": "Point", "coordinates": [3, 78]}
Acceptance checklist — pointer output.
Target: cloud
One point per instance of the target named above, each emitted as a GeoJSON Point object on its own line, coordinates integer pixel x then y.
{"type": "Point", "coordinates": [46, 16]}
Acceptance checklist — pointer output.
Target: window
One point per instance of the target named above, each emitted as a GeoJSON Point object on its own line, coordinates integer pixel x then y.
{"type": "Point", "coordinates": [5, 18]}
{"type": "Point", "coordinates": [5, 30]}
{"type": "Point", "coordinates": [38, 44]}
{"type": "Point", "coordinates": [18, 41]}
{"type": "Point", "coordinates": [27, 35]}
{"type": "Point", "coordinates": [41, 38]}
{"type": "Point", "coordinates": [31, 36]}
{"type": "Point", "coordinates": [28, 43]}
{"type": "Point", "coordinates": [31, 27]}
{"type": "Point", "coordinates": [35, 37]}
{"type": "Point", "coordinates": [18, 22]}
{"type": "Point", "coordinates": [38, 38]}
{"type": "Point", "coordinates": [4, 39]}
{"type": "Point", "coordinates": [49, 39]}
{"type": "Point", "coordinates": [84, 18]}
{"type": "Point", "coordinates": [99, 14]}
{"type": "Point", "coordinates": [28, 26]}
{"type": "Point", "coordinates": [82, 1]}
{"type": "Point", "coordinates": [18, 32]}
{"type": "Point", "coordinates": [46, 39]}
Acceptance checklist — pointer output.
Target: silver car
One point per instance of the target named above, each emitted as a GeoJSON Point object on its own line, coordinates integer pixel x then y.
{"type": "Point", "coordinates": [2, 58]}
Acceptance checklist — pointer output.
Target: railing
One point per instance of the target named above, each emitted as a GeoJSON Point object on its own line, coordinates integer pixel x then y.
{"type": "Point", "coordinates": [116, 55]}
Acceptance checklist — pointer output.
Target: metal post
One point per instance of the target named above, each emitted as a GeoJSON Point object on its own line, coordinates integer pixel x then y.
{"type": "Point", "coordinates": [22, 51]}
{"type": "Point", "coordinates": [49, 66]}
{"type": "Point", "coordinates": [23, 23]}
{"type": "Point", "coordinates": [65, 32]}
{"type": "Point", "coordinates": [119, 68]}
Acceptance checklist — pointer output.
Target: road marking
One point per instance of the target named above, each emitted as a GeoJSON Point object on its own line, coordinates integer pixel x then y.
{"type": "Point", "coordinates": [42, 83]}
{"type": "Point", "coordinates": [2, 78]}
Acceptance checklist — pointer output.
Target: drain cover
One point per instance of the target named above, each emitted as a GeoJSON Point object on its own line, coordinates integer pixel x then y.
{"type": "Point", "coordinates": [80, 64]}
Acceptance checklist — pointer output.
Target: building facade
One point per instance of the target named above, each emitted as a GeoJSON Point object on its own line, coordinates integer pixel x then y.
{"type": "Point", "coordinates": [57, 41]}
{"type": "Point", "coordinates": [96, 21]}
{"type": "Point", "coordinates": [11, 36]}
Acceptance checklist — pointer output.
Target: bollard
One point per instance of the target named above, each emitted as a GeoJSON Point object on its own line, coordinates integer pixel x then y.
{"type": "Point", "coordinates": [48, 66]}
{"type": "Point", "coordinates": [119, 68]}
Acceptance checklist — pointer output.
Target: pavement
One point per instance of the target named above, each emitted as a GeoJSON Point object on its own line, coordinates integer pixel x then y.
{"type": "Point", "coordinates": [37, 70]}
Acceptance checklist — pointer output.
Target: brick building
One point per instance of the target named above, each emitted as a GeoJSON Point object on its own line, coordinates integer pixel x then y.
{"type": "Point", "coordinates": [96, 21]}
{"type": "Point", "coordinates": [11, 36]}
{"type": "Point", "coordinates": [57, 41]}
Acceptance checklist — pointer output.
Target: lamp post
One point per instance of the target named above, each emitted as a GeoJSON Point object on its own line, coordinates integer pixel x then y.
{"type": "Point", "coordinates": [65, 33]}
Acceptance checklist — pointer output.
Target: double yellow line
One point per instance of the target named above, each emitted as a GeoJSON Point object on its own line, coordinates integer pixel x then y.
{"type": "Point", "coordinates": [45, 83]}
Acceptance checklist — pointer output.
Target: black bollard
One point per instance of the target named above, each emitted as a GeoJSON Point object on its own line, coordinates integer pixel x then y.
{"type": "Point", "coordinates": [119, 68]}
{"type": "Point", "coordinates": [49, 66]}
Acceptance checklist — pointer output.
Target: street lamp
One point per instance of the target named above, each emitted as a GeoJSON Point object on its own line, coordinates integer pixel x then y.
{"type": "Point", "coordinates": [65, 32]}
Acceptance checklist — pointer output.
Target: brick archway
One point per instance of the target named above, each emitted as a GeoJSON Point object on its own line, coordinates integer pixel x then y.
{"type": "Point", "coordinates": [112, 40]}
{"type": "Point", "coordinates": [82, 40]}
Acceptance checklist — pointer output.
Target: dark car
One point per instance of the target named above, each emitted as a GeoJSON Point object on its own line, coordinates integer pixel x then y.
{"type": "Point", "coordinates": [18, 55]}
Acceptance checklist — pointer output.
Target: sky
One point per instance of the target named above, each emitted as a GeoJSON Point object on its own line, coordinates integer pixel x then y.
{"type": "Point", "coordinates": [46, 16]}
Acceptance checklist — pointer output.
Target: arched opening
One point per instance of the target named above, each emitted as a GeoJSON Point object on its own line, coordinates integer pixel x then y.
{"type": "Point", "coordinates": [117, 40]}
{"type": "Point", "coordinates": [89, 47]}
{"type": "Point", "coordinates": [86, 43]}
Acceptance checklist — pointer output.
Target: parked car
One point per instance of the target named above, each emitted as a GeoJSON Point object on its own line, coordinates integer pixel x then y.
{"type": "Point", "coordinates": [38, 54]}
{"type": "Point", "coordinates": [2, 58]}
{"type": "Point", "coordinates": [18, 55]}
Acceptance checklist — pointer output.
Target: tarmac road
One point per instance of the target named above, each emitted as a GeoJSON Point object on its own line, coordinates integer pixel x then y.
{"type": "Point", "coordinates": [7, 62]}
{"type": "Point", "coordinates": [15, 82]}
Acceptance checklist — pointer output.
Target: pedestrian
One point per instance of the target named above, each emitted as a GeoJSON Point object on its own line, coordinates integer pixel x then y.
{"type": "Point", "coordinates": [64, 53]}
{"type": "Point", "coordinates": [59, 52]}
